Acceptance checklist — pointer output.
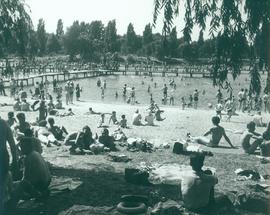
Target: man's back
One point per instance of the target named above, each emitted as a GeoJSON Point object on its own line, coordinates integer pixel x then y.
{"type": "Point", "coordinates": [195, 188]}
{"type": "Point", "coordinates": [36, 170]}
{"type": "Point", "coordinates": [217, 133]}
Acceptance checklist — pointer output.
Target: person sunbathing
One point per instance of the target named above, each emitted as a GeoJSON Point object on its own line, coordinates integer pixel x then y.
{"type": "Point", "coordinates": [137, 117]}
{"type": "Point", "coordinates": [36, 175]}
{"type": "Point", "coordinates": [107, 140]}
{"type": "Point", "coordinates": [92, 112]}
{"type": "Point", "coordinates": [123, 122]}
{"type": "Point", "coordinates": [246, 137]}
{"type": "Point", "coordinates": [82, 140]}
{"type": "Point", "coordinates": [17, 105]}
{"type": "Point", "coordinates": [58, 132]}
{"type": "Point", "coordinates": [149, 119]}
{"type": "Point", "coordinates": [68, 113]}
{"type": "Point", "coordinates": [258, 120]}
{"type": "Point", "coordinates": [45, 136]}
{"type": "Point", "coordinates": [216, 132]}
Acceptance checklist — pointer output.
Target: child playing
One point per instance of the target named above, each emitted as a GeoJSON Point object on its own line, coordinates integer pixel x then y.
{"type": "Point", "coordinates": [113, 118]}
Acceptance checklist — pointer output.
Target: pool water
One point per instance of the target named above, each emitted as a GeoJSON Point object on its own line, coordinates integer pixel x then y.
{"type": "Point", "coordinates": [184, 88]}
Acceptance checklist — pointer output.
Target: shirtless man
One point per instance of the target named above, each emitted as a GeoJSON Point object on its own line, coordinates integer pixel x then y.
{"type": "Point", "coordinates": [248, 147]}
{"type": "Point", "coordinates": [22, 126]}
{"type": "Point", "coordinates": [217, 132]}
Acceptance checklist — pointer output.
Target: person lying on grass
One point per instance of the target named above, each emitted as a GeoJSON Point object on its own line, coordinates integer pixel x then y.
{"type": "Point", "coordinates": [249, 147]}
{"type": "Point", "coordinates": [36, 175]}
{"type": "Point", "coordinates": [216, 132]}
{"type": "Point", "coordinates": [92, 112]}
{"type": "Point", "coordinates": [197, 186]}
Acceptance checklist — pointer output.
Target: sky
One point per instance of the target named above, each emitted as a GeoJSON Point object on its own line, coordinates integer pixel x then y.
{"type": "Point", "coordinates": [137, 12]}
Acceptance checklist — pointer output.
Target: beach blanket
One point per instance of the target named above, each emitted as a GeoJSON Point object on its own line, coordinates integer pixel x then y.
{"type": "Point", "coordinates": [63, 184]}
{"type": "Point", "coordinates": [170, 174]}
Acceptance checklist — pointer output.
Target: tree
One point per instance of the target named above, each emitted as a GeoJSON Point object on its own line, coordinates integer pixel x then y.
{"type": "Point", "coordinates": [131, 39]}
{"type": "Point", "coordinates": [173, 43]}
{"type": "Point", "coordinates": [110, 37]}
{"type": "Point", "coordinates": [147, 35]}
{"type": "Point", "coordinates": [14, 24]}
{"type": "Point", "coordinates": [71, 39]}
{"type": "Point", "coordinates": [228, 25]}
{"type": "Point", "coordinates": [41, 36]}
{"type": "Point", "coordinates": [200, 39]}
{"type": "Point", "coordinates": [53, 45]}
{"type": "Point", "coordinates": [60, 29]}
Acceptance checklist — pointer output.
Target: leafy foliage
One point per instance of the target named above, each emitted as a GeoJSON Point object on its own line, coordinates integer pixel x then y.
{"type": "Point", "coordinates": [228, 26]}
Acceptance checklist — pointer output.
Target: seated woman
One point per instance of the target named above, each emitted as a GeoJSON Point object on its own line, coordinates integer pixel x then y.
{"type": "Point", "coordinates": [107, 140]}
{"type": "Point", "coordinates": [81, 139]}
{"type": "Point", "coordinates": [149, 119]}
{"type": "Point", "coordinates": [44, 135]}
{"type": "Point", "coordinates": [36, 175]}
{"type": "Point", "coordinates": [136, 119]}
{"type": "Point", "coordinates": [58, 104]}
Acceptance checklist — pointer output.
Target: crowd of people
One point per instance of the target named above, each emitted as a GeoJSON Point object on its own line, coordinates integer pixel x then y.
{"type": "Point", "coordinates": [30, 175]}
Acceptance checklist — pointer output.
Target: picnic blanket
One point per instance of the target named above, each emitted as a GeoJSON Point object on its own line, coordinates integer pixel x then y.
{"type": "Point", "coordinates": [170, 174]}
{"type": "Point", "coordinates": [63, 184]}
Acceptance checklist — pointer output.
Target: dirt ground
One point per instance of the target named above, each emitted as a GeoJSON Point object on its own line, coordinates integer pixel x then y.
{"type": "Point", "coordinates": [103, 180]}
